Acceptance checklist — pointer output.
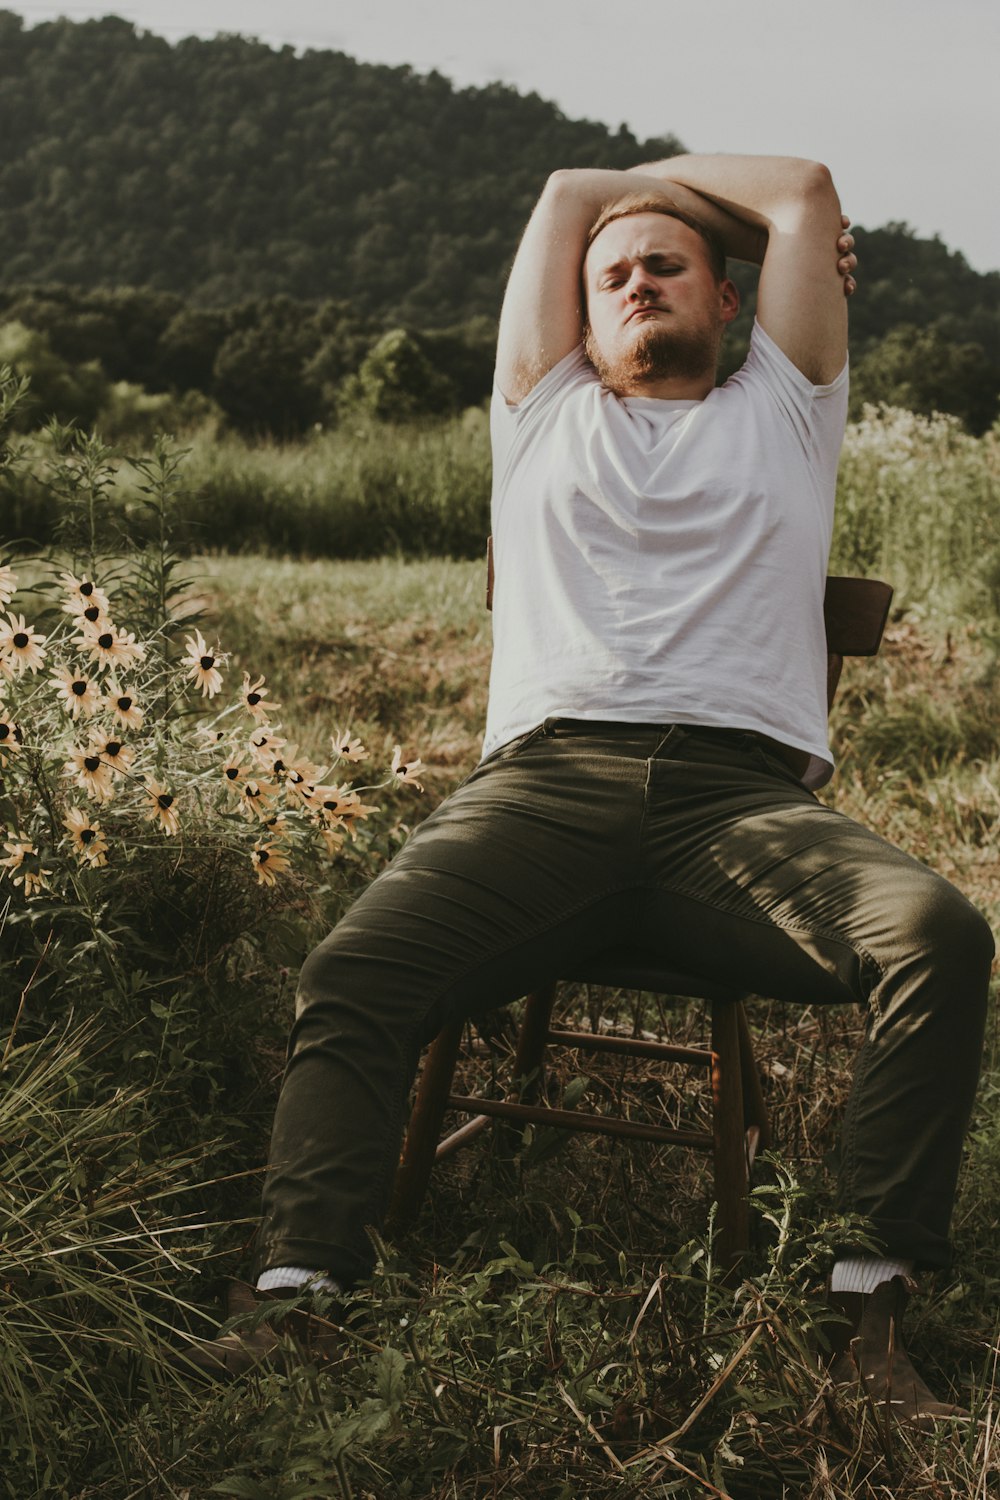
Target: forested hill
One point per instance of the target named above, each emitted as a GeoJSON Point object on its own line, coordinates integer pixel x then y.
{"type": "Point", "coordinates": [225, 170]}
{"type": "Point", "coordinates": [180, 211]}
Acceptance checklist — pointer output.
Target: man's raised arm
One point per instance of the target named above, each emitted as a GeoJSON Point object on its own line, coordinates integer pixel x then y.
{"type": "Point", "coordinates": [800, 301]}
{"type": "Point", "coordinates": [543, 315]}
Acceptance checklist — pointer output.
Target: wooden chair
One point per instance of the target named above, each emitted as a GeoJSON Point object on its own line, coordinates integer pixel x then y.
{"type": "Point", "coordinates": [855, 612]}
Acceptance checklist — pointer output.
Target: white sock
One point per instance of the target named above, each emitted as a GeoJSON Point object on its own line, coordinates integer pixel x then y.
{"type": "Point", "coordinates": [863, 1273]}
{"type": "Point", "coordinates": [279, 1277]}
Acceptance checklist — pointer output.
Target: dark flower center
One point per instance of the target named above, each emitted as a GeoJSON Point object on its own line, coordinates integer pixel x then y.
{"type": "Point", "coordinates": [207, 662]}
{"type": "Point", "coordinates": [296, 778]}
{"type": "Point", "coordinates": [124, 704]}
{"type": "Point", "coordinates": [253, 699]}
{"type": "Point", "coordinates": [263, 856]}
{"type": "Point", "coordinates": [112, 748]}
{"type": "Point", "coordinates": [79, 687]}
{"type": "Point", "coordinates": [92, 614]}
{"type": "Point", "coordinates": [330, 806]}
{"type": "Point", "coordinates": [87, 835]}
{"type": "Point", "coordinates": [164, 800]}
{"type": "Point", "coordinates": [4, 731]}
{"type": "Point", "coordinates": [232, 772]}
{"type": "Point", "coordinates": [86, 589]}
{"type": "Point", "coordinates": [20, 640]}
{"type": "Point", "coordinates": [105, 641]}
{"type": "Point", "coordinates": [279, 766]}
{"type": "Point", "coordinates": [91, 762]}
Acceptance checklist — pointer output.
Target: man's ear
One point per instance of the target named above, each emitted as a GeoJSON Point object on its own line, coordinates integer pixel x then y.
{"type": "Point", "coordinates": [729, 300]}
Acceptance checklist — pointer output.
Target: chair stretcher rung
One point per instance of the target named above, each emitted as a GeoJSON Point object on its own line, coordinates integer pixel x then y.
{"type": "Point", "coordinates": [571, 1119]}
{"type": "Point", "coordinates": [461, 1137]}
{"type": "Point", "coordinates": [596, 1041]}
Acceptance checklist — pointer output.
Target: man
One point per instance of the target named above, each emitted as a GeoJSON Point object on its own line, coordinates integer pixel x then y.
{"type": "Point", "coordinates": [657, 718]}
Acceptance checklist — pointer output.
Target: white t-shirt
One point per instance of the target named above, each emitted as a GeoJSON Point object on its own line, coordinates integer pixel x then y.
{"type": "Point", "coordinates": [663, 562]}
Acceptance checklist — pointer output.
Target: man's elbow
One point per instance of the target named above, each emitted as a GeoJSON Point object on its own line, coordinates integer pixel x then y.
{"type": "Point", "coordinates": [812, 197]}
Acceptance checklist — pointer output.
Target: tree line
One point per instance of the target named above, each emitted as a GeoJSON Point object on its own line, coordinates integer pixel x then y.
{"type": "Point", "coordinates": [290, 235]}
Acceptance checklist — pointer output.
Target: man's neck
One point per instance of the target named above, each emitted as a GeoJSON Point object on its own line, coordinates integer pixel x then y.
{"type": "Point", "coordinates": [669, 388]}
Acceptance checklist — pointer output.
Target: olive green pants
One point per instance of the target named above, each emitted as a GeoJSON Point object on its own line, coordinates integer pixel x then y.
{"type": "Point", "coordinates": [697, 845]}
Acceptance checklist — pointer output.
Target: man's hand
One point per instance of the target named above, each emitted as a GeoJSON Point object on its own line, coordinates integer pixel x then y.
{"type": "Point", "coordinates": [848, 261]}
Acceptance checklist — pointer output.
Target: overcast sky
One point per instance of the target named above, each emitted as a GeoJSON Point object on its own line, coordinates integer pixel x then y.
{"type": "Point", "coordinates": [898, 97]}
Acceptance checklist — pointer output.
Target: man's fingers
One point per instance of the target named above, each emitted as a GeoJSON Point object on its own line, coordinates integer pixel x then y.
{"type": "Point", "coordinates": [847, 261]}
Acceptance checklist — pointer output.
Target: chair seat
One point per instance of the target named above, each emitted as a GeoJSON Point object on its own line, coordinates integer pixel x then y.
{"type": "Point", "coordinates": [630, 969]}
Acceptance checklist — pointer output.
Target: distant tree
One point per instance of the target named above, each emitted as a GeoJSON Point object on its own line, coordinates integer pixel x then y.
{"type": "Point", "coordinates": [397, 381]}
{"type": "Point", "coordinates": [189, 347]}
{"type": "Point", "coordinates": [920, 369]}
{"type": "Point", "coordinates": [260, 382]}
{"type": "Point", "coordinates": [72, 393]}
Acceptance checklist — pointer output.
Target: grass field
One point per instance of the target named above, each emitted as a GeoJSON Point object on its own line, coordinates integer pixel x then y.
{"type": "Point", "coordinates": [406, 644]}
{"type": "Point", "coordinates": [554, 1328]}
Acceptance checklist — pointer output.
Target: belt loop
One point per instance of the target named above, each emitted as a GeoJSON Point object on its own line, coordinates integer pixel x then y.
{"type": "Point", "coordinates": [673, 735]}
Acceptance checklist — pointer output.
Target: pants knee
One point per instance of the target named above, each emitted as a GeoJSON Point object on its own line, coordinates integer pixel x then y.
{"type": "Point", "coordinates": [950, 931]}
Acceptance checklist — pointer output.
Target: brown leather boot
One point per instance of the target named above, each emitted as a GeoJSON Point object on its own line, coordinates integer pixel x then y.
{"type": "Point", "coordinates": [296, 1336]}
{"type": "Point", "coordinates": [869, 1355]}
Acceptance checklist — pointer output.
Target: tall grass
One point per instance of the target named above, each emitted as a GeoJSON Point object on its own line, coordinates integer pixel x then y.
{"type": "Point", "coordinates": [361, 490]}
{"type": "Point", "coordinates": [918, 498]}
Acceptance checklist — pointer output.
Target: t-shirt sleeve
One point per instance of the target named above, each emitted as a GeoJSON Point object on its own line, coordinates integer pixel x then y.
{"type": "Point", "coordinates": [817, 414]}
{"type": "Point", "coordinates": [511, 423]}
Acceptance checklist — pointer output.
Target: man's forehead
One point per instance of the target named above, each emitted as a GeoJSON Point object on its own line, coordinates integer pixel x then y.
{"type": "Point", "coordinates": [639, 235]}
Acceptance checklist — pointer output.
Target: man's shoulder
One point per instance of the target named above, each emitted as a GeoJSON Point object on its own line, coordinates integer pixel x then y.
{"type": "Point", "coordinates": [573, 372]}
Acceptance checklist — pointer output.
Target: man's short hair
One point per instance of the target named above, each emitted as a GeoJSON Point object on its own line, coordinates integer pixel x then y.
{"type": "Point", "coordinates": [643, 203]}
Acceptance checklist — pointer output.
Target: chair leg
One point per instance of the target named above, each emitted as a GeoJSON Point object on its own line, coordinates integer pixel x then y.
{"type": "Point", "coordinates": [529, 1057]}
{"type": "Point", "coordinates": [527, 1070]}
{"type": "Point", "coordinates": [755, 1117]}
{"type": "Point", "coordinates": [424, 1131]}
{"type": "Point", "coordinates": [733, 1230]}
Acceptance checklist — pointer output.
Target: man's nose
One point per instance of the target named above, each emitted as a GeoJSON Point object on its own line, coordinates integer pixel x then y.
{"type": "Point", "coordinates": [641, 285]}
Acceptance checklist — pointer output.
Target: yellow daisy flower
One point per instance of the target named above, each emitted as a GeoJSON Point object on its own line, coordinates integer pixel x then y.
{"type": "Point", "coordinates": [264, 744]}
{"type": "Point", "coordinates": [257, 798]}
{"type": "Point", "coordinates": [338, 805]}
{"type": "Point", "coordinates": [346, 747]}
{"type": "Point", "coordinates": [83, 597]}
{"type": "Point", "coordinates": [96, 778]}
{"type": "Point", "coordinates": [254, 699]}
{"type": "Point", "coordinates": [88, 842]}
{"type": "Point", "coordinates": [163, 807]}
{"type": "Point", "coordinates": [270, 861]}
{"type": "Point", "coordinates": [125, 708]}
{"type": "Point", "coordinates": [8, 584]}
{"type": "Point", "coordinates": [334, 836]}
{"type": "Point", "coordinates": [406, 773]}
{"type": "Point", "coordinates": [113, 752]}
{"type": "Point", "coordinates": [202, 668]}
{"type": "Point", "coordinates": [24, 867]}
{"type": "Point", "coordinates": [111, 647]}
{"type": "Point", "coordinates": [299, 787]}
{"type": "Point", "coordinates": [80, 693]}
{"type": "Point", "coordinates": [16, 851]}
{"type": "Point", "coordinates": [20, 645]}
{"type": "Point", "coordinates": [290, 762]}
{"type": "Point", "coordinates": [277, 827]}
{"type": "Point", "coordinates": [234, 772]}
{"type": "Point", "coordinates": [11, 739]}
